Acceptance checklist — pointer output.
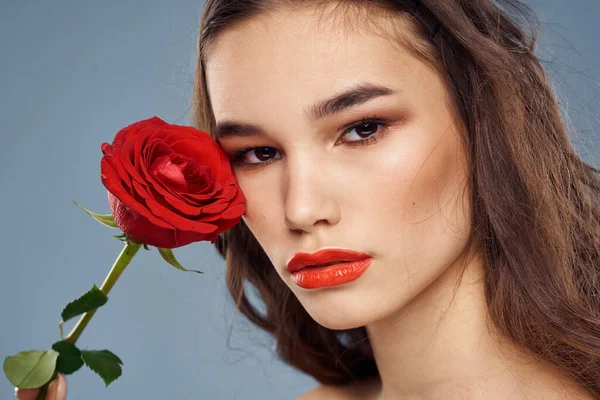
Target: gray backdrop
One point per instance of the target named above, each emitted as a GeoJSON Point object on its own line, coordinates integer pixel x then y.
{"type": "Point", "coordinates": [72, 73]}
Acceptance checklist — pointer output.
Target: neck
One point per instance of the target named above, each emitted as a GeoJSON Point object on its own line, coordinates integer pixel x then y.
{"type": "Point", "coordinates": [440, 346]}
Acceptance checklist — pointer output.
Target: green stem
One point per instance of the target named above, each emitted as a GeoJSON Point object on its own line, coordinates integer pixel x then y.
{"type": "Point", "coordinates": [115, 272]}
{"type": "Point", "coordinates": [117, 269]}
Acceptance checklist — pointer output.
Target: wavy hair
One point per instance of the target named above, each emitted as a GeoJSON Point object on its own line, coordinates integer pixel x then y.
{"type": "Point", "coordinates": [535, 203]}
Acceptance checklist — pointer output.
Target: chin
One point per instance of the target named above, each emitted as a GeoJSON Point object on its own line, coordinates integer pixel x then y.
{"type": "Point", "coordinates": [339, 323]}
{"type": "Point", "coordinates": [341, 308]}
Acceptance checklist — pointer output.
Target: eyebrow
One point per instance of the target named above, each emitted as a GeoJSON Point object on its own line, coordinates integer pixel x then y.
{"type": "Point", "coordinates": [351, 97]}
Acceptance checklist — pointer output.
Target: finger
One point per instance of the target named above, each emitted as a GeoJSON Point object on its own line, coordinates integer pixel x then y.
{"type": "Point", "coordinates": [57, 390]}
{"type": "Point", "coordinates": [27, 394]}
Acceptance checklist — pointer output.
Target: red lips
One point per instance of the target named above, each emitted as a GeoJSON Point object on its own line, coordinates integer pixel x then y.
{"type": "Point", "coordinates": [326, 256]}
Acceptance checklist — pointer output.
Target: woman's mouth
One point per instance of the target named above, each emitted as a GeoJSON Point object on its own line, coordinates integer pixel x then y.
{"type": "Point", "coordinates": [331, 274]}
{"type": "Point", "coordinates": [327, 267]}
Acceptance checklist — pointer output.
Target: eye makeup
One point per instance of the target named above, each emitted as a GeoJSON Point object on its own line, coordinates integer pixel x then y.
{"type": "Point", "coordinates": [238, 158]}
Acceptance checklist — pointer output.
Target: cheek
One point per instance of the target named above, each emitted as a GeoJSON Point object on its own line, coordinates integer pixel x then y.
{"type": "Point", "coordinates": [424, 211]}
{"type": "Point", "coordinates": [264, 214]}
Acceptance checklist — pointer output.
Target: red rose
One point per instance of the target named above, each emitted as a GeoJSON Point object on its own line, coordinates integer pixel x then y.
{"type": "Point", "coordinates": [170, 185]}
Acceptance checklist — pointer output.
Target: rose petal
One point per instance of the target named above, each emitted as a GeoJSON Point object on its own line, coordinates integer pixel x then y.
{"type": "Point", "coordinates": [128, 157]}
{"type": "Point", "coordinates": [215, 207]}
{"type": "Point", "coordinates": [139, 228]}
{"type": "Point", "coordinates": [115, 164]}
{"type": "Point", "coordinates": [111, 181]}
{"type": "Point", "coordinates": [168, 202]}
{"type": "Point", "coordinates": [174, 199]}
{"type": "Point", "coordinates": [178, 221]}
{"type": "Point", "coordinates": [184, 208]}
{"type": "Point", "coordinates": [183, 238]}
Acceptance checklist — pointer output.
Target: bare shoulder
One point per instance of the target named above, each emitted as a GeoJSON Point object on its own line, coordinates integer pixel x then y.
{"type": "Point", "coordinates": [323, 392]}
{"type": "Point", "coordinates": [365, 390]}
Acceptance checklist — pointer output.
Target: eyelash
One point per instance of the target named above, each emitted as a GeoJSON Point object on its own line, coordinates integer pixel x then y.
{"type": "Point", "coordinates": [237, 158]}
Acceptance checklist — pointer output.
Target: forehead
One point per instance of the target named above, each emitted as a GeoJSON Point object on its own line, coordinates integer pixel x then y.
{"type": "Point", "coordinates": [293, 57]}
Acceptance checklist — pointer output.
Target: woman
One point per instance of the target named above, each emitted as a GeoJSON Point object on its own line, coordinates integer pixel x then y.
{"type": "Point", "coordinates": [423, 142]}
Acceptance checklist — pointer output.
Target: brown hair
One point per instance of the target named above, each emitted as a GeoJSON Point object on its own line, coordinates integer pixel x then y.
{"type": "Point", "coordinates": [535, 213]}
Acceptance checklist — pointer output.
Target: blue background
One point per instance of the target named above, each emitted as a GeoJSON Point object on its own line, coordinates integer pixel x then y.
{"type": "Point", "coordinates": [72, 73]}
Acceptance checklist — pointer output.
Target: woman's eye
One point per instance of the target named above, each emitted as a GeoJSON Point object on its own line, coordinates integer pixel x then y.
{"type": "Point", "coordinates": [367, 131]}
{"type": "Point", "coordinates": [255, 155]}
{"type": "Point", "coordinates": [364, 130]}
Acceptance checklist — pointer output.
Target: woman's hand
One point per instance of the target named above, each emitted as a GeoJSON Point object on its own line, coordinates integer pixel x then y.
{"type": "Point", "coordinates": [57, 390]}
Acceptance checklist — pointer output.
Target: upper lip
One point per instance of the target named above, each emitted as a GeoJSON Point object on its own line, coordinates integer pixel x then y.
{"type": "Point", "coordinates": [325, 256]}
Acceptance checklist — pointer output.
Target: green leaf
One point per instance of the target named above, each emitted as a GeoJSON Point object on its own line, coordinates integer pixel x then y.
{"type": "Point", "coordinates": [104, 363]}
{"type": "Point", "coordinates": [106, 219]}
{"type": "Point", "coordinates": [146, 247]}
{"type": "Point", "coordinates": [30, 369]}
{"type": "Point", "coordinates": [88, 302]}
{"type": "Point", "coordinates": [69, 359]}
{"type": "Point", "coordinates": [169, 257]}
{"type": "Point", "coordinates": [121, 237]}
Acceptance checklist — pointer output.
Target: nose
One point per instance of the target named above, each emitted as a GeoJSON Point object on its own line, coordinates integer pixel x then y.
{"type": "Point", "coordinates": [310, 198]}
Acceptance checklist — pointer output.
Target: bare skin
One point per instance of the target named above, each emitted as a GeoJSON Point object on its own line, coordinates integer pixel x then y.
{"type": "Point", "coordinates": [57, 390]}
{"type": "Point", "coordinates": [402, 199]}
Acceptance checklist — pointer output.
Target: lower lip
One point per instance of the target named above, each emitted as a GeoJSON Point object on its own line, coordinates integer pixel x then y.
{"type": "Point", "coordinates": [330, 275]}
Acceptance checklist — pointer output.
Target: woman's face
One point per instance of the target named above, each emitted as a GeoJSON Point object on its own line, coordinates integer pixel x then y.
{"type": "Point", "coordinates": [393, 188]}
